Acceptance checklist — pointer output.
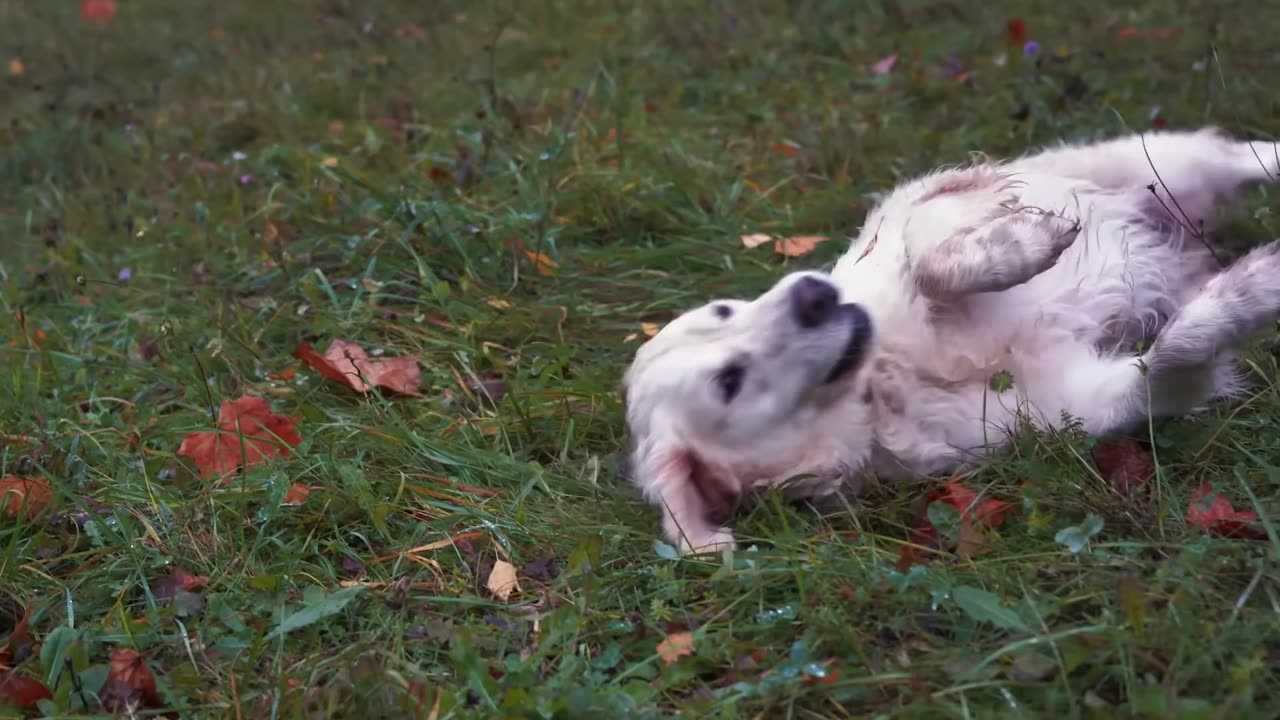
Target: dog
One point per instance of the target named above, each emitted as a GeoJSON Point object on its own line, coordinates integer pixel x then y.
{"type": "Point", "coordinates": [1081, 275]}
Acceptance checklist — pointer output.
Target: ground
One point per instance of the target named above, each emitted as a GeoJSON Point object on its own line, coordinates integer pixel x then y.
{"type": "Point", "coordinates": [508, 193]}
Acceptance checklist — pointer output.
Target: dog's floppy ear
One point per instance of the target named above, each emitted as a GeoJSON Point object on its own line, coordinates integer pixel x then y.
{"type": "Point", "coordinates": [695, 499]}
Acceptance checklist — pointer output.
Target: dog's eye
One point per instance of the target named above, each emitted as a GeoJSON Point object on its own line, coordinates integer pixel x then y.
{"type": "Point", "coordinates": [729, 380]}
{"type": "Point", "coordinates": [724, 312]}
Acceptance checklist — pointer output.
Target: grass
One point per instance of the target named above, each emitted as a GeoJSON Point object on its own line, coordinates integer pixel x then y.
{"type": "Point", "coordinates": [273, 173]}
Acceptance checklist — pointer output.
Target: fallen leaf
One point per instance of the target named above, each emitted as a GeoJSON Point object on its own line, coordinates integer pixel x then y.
{"type": "Point", "coordinates": [972, 541]}
{"type": "Point", "coordinates": [1017, 29]}
{"type": "Point", "coordinates": [16, 67]}
{"type": "Point", "coordinates": [545, 265]}
{"type": "Point", "coordinates": [15, 491]}
{"type": "Point", "coordinates": [675, 646]}
{"type": "Point", "coordinates": [1214, 514]}
{"type": "Point", "coordinates": [19, 637]}
{"type": "Point", "coordinates": [784, 148]}
{"type": "Point", "coordinates": [1124, 463]}
{"type": "Point", "coordinates": [330, 162]}
{"type": "Point", "coordinates": [22, 691]}
{"type": "Point", "coordinates": [991, 512]}
{"type": "Point", "coordinates": [797, 245]}
{"type": "Point", "coordinates": [349, 363]}
{"type": "Point", "coordinates": [541, 569]}
{"type": "Point", "coordinates": [167, 586]}
{"type": "Point", "coordinates": [247, 434]}
{"type": "Point", "coordinates": [129, 681]}
{"type": "Point", "coordinates": [502, 580]}
{"type": "Point", "coordinates": [288, 374]}
{"type": "Point", "coordinates": [296, 494]}
{"type": "Point", "coordinates": [649, 329]}
{"type": "Point", "coordinates": [98, 12]}
{"type": "Point", "coordinates": [755, 240]}
{"type": "Point", "coordinates": [884, 65]}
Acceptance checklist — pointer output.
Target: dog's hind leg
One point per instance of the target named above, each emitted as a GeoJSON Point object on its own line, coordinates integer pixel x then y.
{"type": "Point", "coordinates": [1189, 173]}
{"type": "Point", "coordinates": [1191, 361]}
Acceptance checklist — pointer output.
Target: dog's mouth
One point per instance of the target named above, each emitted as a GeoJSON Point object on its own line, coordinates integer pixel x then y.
{"type": "Point", "coordinates": [858, 325]}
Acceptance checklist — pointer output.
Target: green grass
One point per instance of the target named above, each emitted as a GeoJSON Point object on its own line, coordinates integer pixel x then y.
{"type": "Point", "coordinates": [632, 144]}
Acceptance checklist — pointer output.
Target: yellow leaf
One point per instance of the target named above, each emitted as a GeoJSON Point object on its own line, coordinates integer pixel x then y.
{"type": "Point", "coordinates": [797, 245]}
{"type": "Point", "coordinates": [330, 162]}
{"type": "Point", "coordinates": [502, 580]}
{"type": "Point", "coordinates": [675, 646]}
{"type": "Point", "coordinates": [649, 329]}
{"type": "Point", "coordinates": [499, 303]}
{"type": "Point", "coordinates": [755, 240]}
{"type": "Point", "coordinates": [545, 265]}
{"type": "Point", "coordinates": [16, 67]}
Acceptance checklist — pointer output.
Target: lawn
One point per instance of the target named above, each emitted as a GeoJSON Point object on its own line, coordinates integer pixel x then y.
{"type": "Point", "coordinates": [513, 195]}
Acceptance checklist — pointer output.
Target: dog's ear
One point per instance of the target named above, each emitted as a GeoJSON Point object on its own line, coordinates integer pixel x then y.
{"type": "Point", "coordinates": [694, 497]}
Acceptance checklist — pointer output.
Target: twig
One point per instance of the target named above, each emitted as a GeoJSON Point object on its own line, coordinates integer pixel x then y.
{"type": "Point", "coordinates": [1198, 234]}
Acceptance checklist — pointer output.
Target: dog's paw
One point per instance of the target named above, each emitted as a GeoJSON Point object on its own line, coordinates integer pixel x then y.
{"type": "Point", "coordinates": [708, 543]}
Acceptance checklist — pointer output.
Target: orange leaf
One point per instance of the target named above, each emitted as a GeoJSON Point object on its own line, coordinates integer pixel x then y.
{"type": "Point", "coordinates": [675, 646]}
{"type": "Point", "coordinates": [347, 362]}
{"type": "Point", "coordinates": [545, 265]}
{"type": "Point", "coordinates": [755, 240]}
{"type": "Point", "coordinates": [783, 148]}
{"type": "Point", "coordinates": [649, 329]}
{"type": "Point", "coordinates": [797, 245]}
{"type": "Point", "coordinates": [247, 433]}
{"type": "Point", "coordinates": [14, 491]}
{"type": "Point", "coordinates": [98, 12]}
{"type": "Point", "coordinates": [129, 681]}
{"type": "Point", "coordinates": [296, 494]}
{"type": "Point", "coordinates": [21, 691]}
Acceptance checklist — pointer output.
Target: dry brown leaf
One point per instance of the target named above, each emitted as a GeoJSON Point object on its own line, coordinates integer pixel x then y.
{"type": "Point", "coordinates": [971, 542]}
{"type": "Point", "coordinates": [502, 580]}
{"type": "Point", "coordinates": [14, 491]}
{"type": "Point", "coordinates": [675, 646]}
{"type": "Point", "coordinates": [129, 682]}
{"type": "Point", "coordinates": [248, 432]}
{"type": "Point", "coordinates": [755, 240]}
{"type": "Point", "coordinates": [649, 329]}
{"type": "Point", "coordinates": [347, 362]}
{"type": "Point", "coordinates": [797, 245]}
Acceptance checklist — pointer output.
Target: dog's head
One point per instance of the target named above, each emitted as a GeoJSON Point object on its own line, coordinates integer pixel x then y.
{"type": "Point", "coordinates": [734, 393]}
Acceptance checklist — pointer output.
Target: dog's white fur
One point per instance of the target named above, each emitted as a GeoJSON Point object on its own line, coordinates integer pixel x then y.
{"type": "Point", "coordinates": [1082, 271]}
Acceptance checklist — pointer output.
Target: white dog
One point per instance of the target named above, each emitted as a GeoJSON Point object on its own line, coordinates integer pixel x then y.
{"type": "Point", "coordinates": [1083, 272]}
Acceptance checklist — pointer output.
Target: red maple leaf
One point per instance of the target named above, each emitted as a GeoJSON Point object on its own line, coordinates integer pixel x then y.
{"type": "Point", "coordinates": [1214, 514]}
{"type": "Point", "coordinates": [990, 512]}
{"type": "Point", "coordinates": [975, 515]}
{"type": "Point", "coordinates": [248, 433]}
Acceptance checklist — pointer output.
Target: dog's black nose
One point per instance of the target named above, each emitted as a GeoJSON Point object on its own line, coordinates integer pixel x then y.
{"type": "Point", "coordinates": [813, 301]}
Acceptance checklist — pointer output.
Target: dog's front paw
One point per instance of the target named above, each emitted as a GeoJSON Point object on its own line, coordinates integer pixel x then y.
{"type": "Point", "coordinates": [706, 543]}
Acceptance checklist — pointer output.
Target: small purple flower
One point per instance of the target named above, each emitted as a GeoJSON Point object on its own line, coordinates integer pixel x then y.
{"type": "Point", "coordinates": [130, 128]}
{"type": "Point", "coordinates": [245, 179]}
{"type": "Point", "coordinates": [124, 275]}
{"type": "Point", "coordinates": [1031, 49]}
